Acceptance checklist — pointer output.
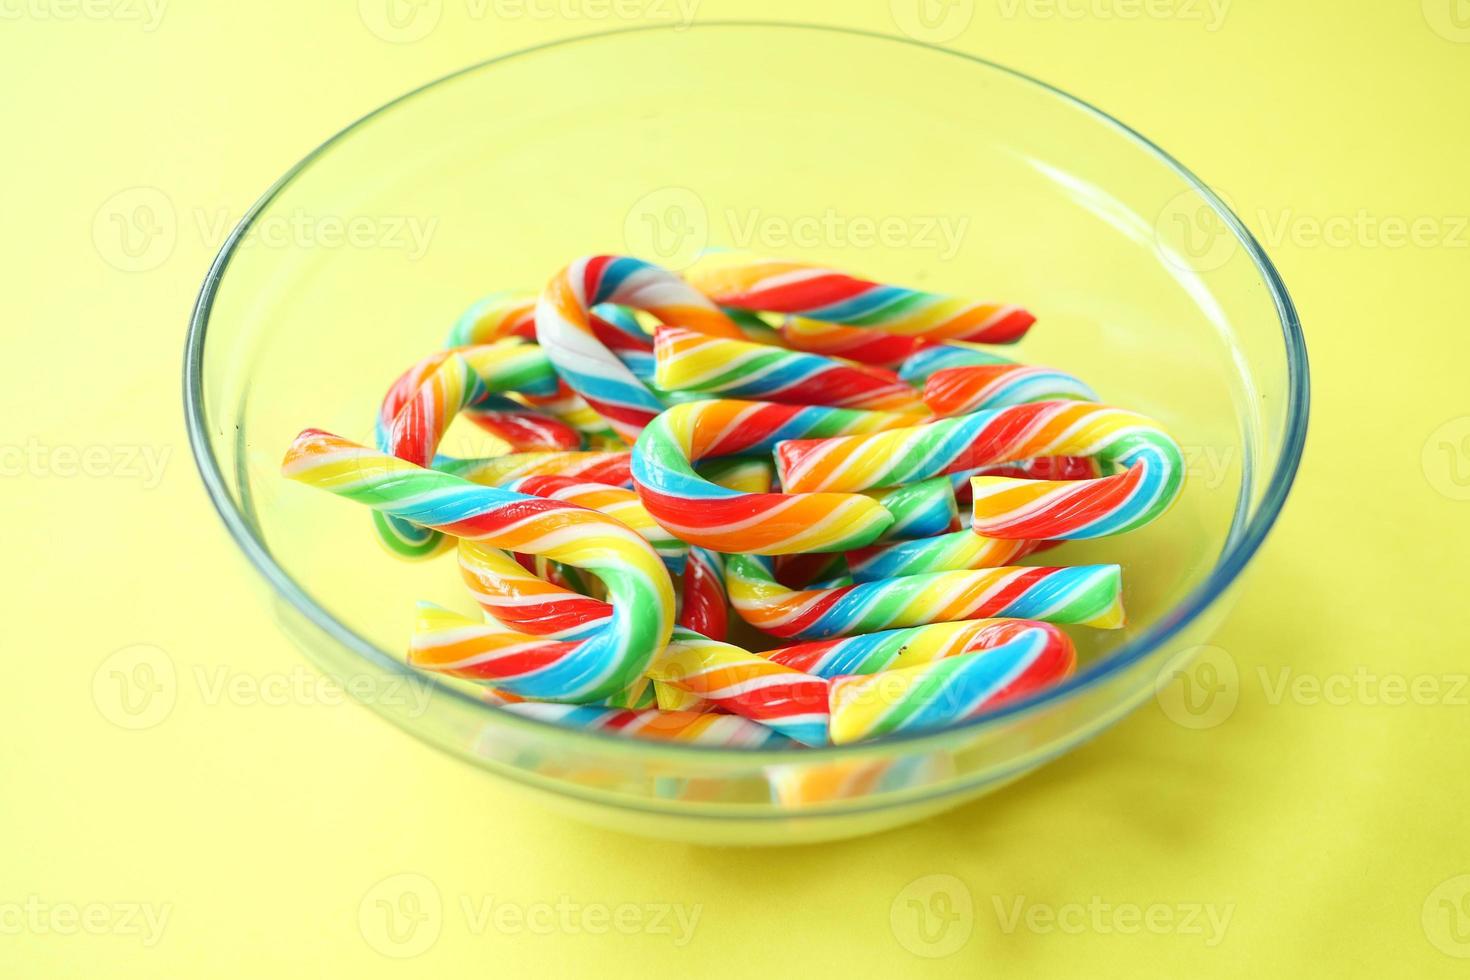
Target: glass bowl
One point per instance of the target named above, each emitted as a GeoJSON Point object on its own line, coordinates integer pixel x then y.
{"type": "Point", "coordinates": [905, 162]}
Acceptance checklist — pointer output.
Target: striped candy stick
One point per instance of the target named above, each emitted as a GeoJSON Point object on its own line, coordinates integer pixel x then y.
{"type": "Point", "coordinates": [920, 510]}
{"type": "Point", "coordinates": [585, 362]}
{"type": "Point", "coordinates": [962, 390]}
{"type": "Point", "coordinates": [1085, 595]}
{"type": "Point", "coordinates": [503, 314]}
{"type": "Point", "coordinates": [1044, 468]}
{"type": "Point", "coordinates": [620, 504]}
{"type": "Point", "coordinates": [746, 684]}
{"type": "Point", "coordinates": [448, 643]}
{"type": "Point", "coordinates": [520, 598]}
{"type": "Point", "coordinates": [688, 360]}
{"type": "Point", "coordinates": [918, 366]}
{"type": "Point", "coordinates": [422, 403]}
{"type": "Point", "coordinates": [524, 601]}
{"type": "Point", "coordinates": [601, 666]}
{"type": "Point", "coordinates": [704, 607]}
{"type": "Point", "coordinates": [740, 682]}
{"type": "Point", "coordinates": [950, 690]}
{"type": "Point", "coordinates": [702, 513]}
{"type": "Point", "coordinates": [750, 282]}
{"type": "Point", "coordinates": [611, 468]}
{"type": "Point", "coordinates": [872, 653]}
{"type": "Point", "coordinates": [569, 407]}
{"type": "Point", "coordinates": [866, 345]}
{"type": "Point", "coordinates": [522, 428]}
{"type": "Point", "coordinates": [508, 364]}
{"type": "Point", "coordinates": [1151, 462]}
{"type": "Point", "coordinates": [955, 551]}
{"type": "Point", "coordinates": [513, 314]}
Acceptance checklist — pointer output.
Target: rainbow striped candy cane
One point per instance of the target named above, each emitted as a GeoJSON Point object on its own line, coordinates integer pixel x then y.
{"type": "Point", "coordinates": [688, 360]}
{"type": "Point", "coordinates": [1084, 595]}
{"type": "Point", "coordinates": [749, 282]}
{"type": "Point", "coordinates": [962, 390]}
{"type": "Point", "coordinates": [711, 516]}
{"type": "Point", "coordinates": [612, 468]}
{"type": "Point", "coordinates": [617, 503]}
{"type": "Point", "coordinates": [1004, 507]}
{"type": "Point", "coordinates": [747, 684]}
{"type": "Point", "coordinates": [871, 653]}
{"type": "Point", "coordinates": [524, 429]}
{"type": "Point", "coordinates": [865, 345]}
{"type": "Point", "coordinates": [953, 689]}
{"type": "Point", "coordinates": [504, 314]}
{"type": "Point", "coordinates": [919, 365]}
{"type": "Point", "coordinates": [513, 314]}
{"type": "Point", "coordinates": [740, 682]}
{"type": "Point", "coordinates": [955, 551]}
{"type": "Point", "coordinates": [508, 364]}
{"type": "Point", "coordinates": [524, 601]}
{"type": "Point", "coordinates": [584, 360]}
{"type": "Point", "coordinates": [642, 595]}
{"type": "Point", "coordinates": [920, 510]}
{"type": "Point", "coordinates": [423, 402]}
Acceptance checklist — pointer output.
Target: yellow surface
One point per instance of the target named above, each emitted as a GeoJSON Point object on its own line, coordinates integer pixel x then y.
{"type": "Point", "coordinates": [1315, 826]}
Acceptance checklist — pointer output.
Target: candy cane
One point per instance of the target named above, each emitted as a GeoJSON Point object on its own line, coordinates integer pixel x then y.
{"type": "Point", "coordinates": [746, 684]}
{"type": "Point", "coordinates": [621, 505]}
{"type": "Point", "coordinates": [949, 690]}
{"type": "Point", "coordinates": [920, 510]}
{"type": "Point", "coordinates": [865, 345]}
{"type": "Point", "coordinates": [423, 402]}
{"type": "Point", "coordinates": [611, 468]}
{"type": "Point", "coordinates": [871, 653]}
{"type": "Point", "coordinates": [752, 283]}
{"type": "Point", "coordinates": [919, 365]}
{"type": "Point", "coordinates": [522, 600]}
{"type": "Point", "coordinates": [691, 361]}
{"type": "Point", "coordinates": [523, 429]}
{"type": "Point", "coordinates": [1152, 463]}
{"type": "Point", "coordinates": [508, 364]}
{"type": "Point", "coordinates": [1084, 595]}
{"type": "Point", "coordinates": [585, 362]}
{"type": "Point", "coordinates": [642, 596]}
{"type": "Point", "coordinates": [702, 513]}
{"type": "Point", "coordinates": [955, 551]}
{"type": "Point", "coordinates": [962, 390]}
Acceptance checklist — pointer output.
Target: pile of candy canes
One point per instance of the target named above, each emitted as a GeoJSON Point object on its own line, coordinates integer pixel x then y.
{"type": "Point", "coordinates": [783, 439]}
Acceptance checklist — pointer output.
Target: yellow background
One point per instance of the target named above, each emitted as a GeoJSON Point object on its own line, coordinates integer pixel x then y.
{"type": "Point", "coordinates": [1330, 828]}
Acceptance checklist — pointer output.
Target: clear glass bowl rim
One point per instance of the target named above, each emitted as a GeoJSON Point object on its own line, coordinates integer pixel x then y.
{"type": "Point", "coordinates": [1226, 570]}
